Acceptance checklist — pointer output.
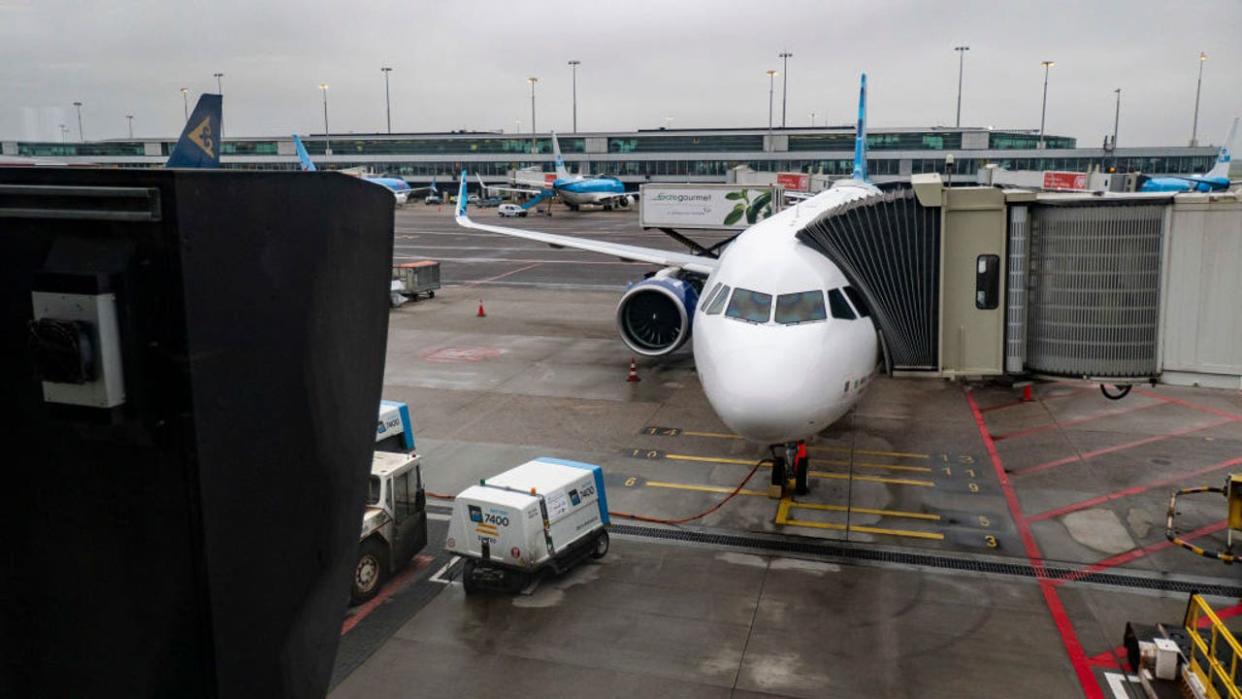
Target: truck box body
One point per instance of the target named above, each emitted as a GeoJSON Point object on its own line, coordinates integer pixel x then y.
{"type": "Point", "coordinates": [500, 521]}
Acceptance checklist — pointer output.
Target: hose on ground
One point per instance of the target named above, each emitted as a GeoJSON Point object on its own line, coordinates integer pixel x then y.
{"type": "Point", "coordinates": [704, 513]}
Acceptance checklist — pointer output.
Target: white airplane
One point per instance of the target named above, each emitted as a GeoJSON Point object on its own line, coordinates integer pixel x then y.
{"type": "Point", "coordinates": [574, 190]}
{"type": "Point", "coordinates": [783, 344]}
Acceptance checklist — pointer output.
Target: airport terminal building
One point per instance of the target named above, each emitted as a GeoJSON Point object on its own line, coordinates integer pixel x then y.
{"type": "Point", "coordinates": [693, 155]}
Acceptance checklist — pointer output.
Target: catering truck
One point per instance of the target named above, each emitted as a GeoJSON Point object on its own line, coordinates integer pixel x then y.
{"type": "Point", "coordinates": [394, 523]}
{"type": "Point", "coordinates": [547, 514]}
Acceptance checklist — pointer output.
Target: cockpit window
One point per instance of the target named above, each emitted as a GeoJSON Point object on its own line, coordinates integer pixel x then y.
{"type": "Point", "coordinates": [706, 299]}
{"type": "Point", "coordinates": [802, 307]}
{"type": "Point", "coordinates": [840, 307]}
{"type": "Point", "coordinates": [718, 301]}
{"type": "Point", "coordinates": [750, 306]}
{"type": "Point", "coordinates": [856, 298]}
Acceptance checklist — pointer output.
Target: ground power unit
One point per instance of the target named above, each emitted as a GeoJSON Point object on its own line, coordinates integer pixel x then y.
{"type": "Point", "coordinates": [547, 514]}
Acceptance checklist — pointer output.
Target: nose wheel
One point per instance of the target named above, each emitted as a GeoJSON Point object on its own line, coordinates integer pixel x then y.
{"type": "Point", "coordinates": [791, 466]}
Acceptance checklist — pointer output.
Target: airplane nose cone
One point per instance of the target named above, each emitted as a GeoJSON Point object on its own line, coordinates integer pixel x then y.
{"type": "Point", "coordinates": [766, 401]}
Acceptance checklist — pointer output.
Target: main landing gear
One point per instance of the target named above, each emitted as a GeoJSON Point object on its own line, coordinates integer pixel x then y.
{"type": "Point", "coordinates": [791, 467]}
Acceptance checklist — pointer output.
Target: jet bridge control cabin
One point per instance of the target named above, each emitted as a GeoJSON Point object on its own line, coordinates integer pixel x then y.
{"type": "Point", "coordinates": [982, 281]}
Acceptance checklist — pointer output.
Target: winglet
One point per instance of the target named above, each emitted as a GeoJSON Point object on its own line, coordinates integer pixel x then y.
{"type": "Point", "coordinates": [860, 136]}
{"type": "Point", "coordinates": [199, 145]}
{"type": "Point", "coordinates": [303, 156]}
{"type": "Point", "coordinates": [461, 197]}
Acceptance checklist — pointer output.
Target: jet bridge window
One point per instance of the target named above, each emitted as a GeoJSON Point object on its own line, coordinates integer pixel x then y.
{"type": "Point", "coordinates": [987, 282]}
{"type": "Point", "coordinates": [840, 307]}
{"type": "Point", "coordinates": [717, 302]}
{"type": "Point", "coordinates": [750, 306]}
{"type": "Point", "coordinates": [802, 307]}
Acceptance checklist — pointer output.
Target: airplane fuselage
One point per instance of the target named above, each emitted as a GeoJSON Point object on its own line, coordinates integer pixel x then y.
{"type": "Point", "coordinates": [588, 190]}
{"type": "Point", "coordinates": [776, 382]}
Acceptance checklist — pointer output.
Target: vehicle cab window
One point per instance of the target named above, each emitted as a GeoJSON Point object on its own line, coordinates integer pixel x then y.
{"type": "Point", "coordinates": [840, 307]}
{"type": "Point", "coordinates": [802, 307]}
{"type": "Point", "coordinates": [750, 306]}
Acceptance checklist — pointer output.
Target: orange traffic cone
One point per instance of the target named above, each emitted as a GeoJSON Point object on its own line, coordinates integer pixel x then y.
{"type": "Point", "coordinates": [481, 313]}
{"type": "Point", "coordinates": [633, 377]}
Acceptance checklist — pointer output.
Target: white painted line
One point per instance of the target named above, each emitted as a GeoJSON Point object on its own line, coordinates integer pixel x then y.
{"type": "Point", "coordinates": [1117, 683]}
{"type": "Point", "coordinates": [438, 577]}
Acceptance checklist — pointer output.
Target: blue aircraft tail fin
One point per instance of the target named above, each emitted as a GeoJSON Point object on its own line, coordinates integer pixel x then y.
{"type": "Point", "coordinates": [561, 172]}
{"type": "Point", "coordinates": [860, 137]}
{"type": "Point", "coordinates": [461, 195]}
{"type": "Point", "coordinates": [1223, 159]}
{"type": "Point", "coordinates": [303, 156]}
{"type": "Point", "coordinates": [434, 190]}
{"type": "Point", "coordinates": [199, 145]}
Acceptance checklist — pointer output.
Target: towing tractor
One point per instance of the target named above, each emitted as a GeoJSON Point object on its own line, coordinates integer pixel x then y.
{"type": "Point", "coordinates": [394, 523]}
{"type": "Point", "coordinates": [545, 515]}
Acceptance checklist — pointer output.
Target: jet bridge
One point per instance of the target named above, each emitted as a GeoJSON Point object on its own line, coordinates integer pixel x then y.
{"type": "Point", "coordinates": [978, 281]}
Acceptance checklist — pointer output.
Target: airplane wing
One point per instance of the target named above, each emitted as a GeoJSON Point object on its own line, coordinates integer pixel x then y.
{"type": "Point", "coordinates": [798, 195]}
{"type": "Point", "coordinates": [499, 188]}
{"type": "Point", "coordinates": [690, 263]}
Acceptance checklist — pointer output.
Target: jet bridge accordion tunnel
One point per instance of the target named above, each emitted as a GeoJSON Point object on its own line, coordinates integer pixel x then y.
{"type": "Point", "coordinates": [977, 281]}
{"type": "Point", "coordinates": [192, 362]}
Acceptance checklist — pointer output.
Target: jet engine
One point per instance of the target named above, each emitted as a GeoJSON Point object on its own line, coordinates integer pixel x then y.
{"type": "Point", "coordinates": [655, 315]}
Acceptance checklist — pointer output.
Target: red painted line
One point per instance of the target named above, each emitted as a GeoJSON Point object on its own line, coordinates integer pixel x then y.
{"type": "Point", "coordinates": [1135, 554]}
{"type": "Point", "coordinates": [1073, 648]}
{"type": "Point", "coordinates": [1076, 421]}
{"type": "Point", "coordinates": [397, 584]}
{"type": "Point", "coordinates": [1132, 490]}
{"type": "Point", "coordinates": [1002, 406]}
{"type": "Point", "coordinates": [1192, 406]}
{"type": "Point", "coordinates": [1118, 447]}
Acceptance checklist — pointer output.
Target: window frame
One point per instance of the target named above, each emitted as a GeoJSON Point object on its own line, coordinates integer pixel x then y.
{"type": "Point", "coordinates": [716, 305]}
{"type": "Point", "coordinates": [823, 307]}
{"type": "Point", "coordinates": [987, 282]}
{"type": "Point", "coordinates": [832, 310]}
{"type": "Point", "coordinates": [734, 296]}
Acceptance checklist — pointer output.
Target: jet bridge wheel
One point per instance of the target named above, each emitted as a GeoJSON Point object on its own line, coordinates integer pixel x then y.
{"type": "Point", "coordinates": [778, 469]}
{"type": "Point", "coordinates": [802, 470]}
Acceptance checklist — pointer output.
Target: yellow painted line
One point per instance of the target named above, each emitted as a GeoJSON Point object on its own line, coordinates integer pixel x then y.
{"type": "Point", "coordinates": [713, 435]}
{"type": "Point", "coordinates": [908, 533]}
{"type": "Point", "coordinates": [710, 459]}
{"type": "Point", "coordinates": [865, 511]}
{"type": "Point", "coordinates": [873, 479]}
{"type": "Point", "coordinates": [705, 488]}
{"type": "Point", "coordinates": [814, 474]}
{"type": "Point", "coordinates": [868, 452]}
{"type": "Point", "coordinates": [867, 464]}
{"type": "Point", "coordinates": [782, 510]}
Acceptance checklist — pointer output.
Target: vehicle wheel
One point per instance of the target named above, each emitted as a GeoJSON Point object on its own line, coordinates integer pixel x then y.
{"type": "Point", "coordinates": [778, 471]}
{"type": "Point", "coordinates": [802, 470]}
{"type": "Point", "coordinates": [516, 581]}
{"type": "Point", "coordinates": [467, 577]}
{"type": "Point", "coordinates": [370, 572]}
{"type": "Point", "coordinates": [601, 546]}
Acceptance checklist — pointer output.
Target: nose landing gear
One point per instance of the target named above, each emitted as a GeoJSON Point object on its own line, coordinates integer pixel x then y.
{"type": "Point", "coordinates": [791, 467]}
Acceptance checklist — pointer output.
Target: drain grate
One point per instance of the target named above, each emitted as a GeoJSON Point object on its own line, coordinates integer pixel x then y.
{"type": "Point", "coordinates": [925, 560]}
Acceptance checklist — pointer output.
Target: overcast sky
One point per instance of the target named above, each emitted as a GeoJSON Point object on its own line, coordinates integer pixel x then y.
{"type": "Point", "coordinates": [463, 65]}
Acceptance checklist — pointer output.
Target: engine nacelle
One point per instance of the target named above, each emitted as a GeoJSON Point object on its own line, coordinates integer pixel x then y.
{"type": "Point", "coordinates": [655, 315]}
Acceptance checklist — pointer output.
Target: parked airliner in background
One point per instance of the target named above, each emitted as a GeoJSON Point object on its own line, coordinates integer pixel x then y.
{"type": "Point", "coordinates": [401, 189]}
{"type": "Point", "coordinates": [574, 190]}
{"type": "Point", "coordinates": [1214, 180]}
{"type": "Point", "coordinates": [783, 344]}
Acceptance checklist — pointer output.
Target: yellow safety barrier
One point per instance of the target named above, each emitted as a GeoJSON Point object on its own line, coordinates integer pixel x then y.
{"type": "Point", "coordinates": [1214, 652]}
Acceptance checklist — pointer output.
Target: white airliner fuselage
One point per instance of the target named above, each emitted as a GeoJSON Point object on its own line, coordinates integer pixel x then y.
{"type": "Point", "coordinates": [771, 382]}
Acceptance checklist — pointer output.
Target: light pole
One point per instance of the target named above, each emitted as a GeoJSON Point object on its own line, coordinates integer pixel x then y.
{"type": "Point", "coordinates": [185, 103]}
{"type": "Point", "coordinates": [812, 119]}
{"type": "Point", "coordinates": [387, 102]}
{"type": "Point", "coordinates": [130, 117]}
{"type": "Point", "coordinates": [961, 64]}
{"type": "Point", "coordinates": [327, 139]}
{"type": "Point", "coordinates": [81, 138]}
{"type": "Point", "coordinates": [532, 80]}
{"type": "Point", "coordinates": [1116, 122]}
{"type": "Point", "coordinates": [220, 91]}
{"type": "Point", "coordinates": [785, 56]}
{"type": "Point", "coordinates": [574, 65]}
{"type": "Point", "coordinates": [1043, 111]}
{"type": "Point", "coordinates": [1194, 130]}
{"type": "Point", "coordinates": [771, 89]}
{"type": "Point", "coordinates": [63, 130]}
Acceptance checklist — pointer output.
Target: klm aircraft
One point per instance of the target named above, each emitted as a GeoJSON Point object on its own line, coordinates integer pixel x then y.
{"type": "Point", "coordinates": [400, 188]}
{"type": "Point", "coordinates": [1215, 180]}
{"type": "Point", "coordinates": [576, 190]}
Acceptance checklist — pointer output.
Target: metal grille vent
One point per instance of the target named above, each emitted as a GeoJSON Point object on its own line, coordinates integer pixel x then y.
{"type": "Point", "coordinates": [888, 246]}
{"type": "Point", "coordinates": [1094, 290]}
